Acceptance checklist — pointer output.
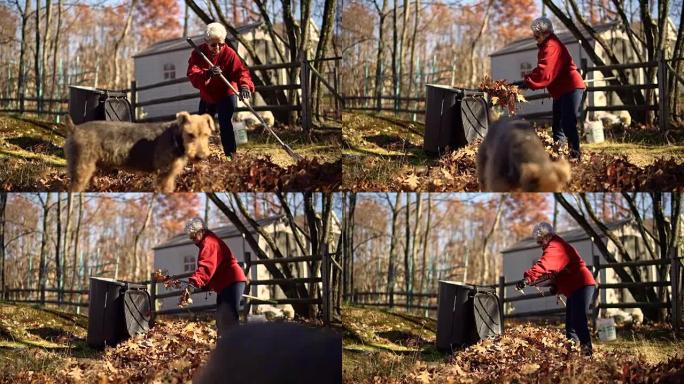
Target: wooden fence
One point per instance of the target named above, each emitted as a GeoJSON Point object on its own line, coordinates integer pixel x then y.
{"type": "Point", "coordinates": [303, 104]}
{"type": "Point", "coordinates": [322, 278]}
{"type": "Point", "coordinates": [47, 296]}
{"type": "Point", "coordinates": [673, 287]}
{"type": "Point", "coordinates": [417, 106]}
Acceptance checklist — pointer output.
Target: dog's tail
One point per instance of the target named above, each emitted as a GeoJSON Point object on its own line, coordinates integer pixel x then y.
{"type": "Point", "coordinates": [69, 124]}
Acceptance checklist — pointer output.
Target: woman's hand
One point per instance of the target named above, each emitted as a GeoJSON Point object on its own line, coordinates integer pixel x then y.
{"type": "Point", "coordinates": [520, 285]}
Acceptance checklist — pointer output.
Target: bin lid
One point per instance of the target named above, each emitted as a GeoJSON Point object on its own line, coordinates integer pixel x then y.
{"type": "Point", "coordinates": [441, 86]}
{"type": "Point", "coordinates": [458, 283]}
{"type": "Point", "coordinates": [108, 280]}
{"type": "Point", "coordinates": [88, 89]}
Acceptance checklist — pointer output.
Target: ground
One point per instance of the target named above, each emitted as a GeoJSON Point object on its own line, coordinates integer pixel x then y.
{"type": "Point", "coordinates": [392, 347]}
{"type": "Point", "coordinates": [39, 345]}
{"type": "Point", "coordinates": [383, 152]}
{"type": "Point", "coordinates": [32, 153]}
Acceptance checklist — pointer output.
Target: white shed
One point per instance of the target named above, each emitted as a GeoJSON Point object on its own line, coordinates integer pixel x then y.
{"type": "Point", "coordinates": [521, 256]}
{"type": "Point", "coordinates": [518, 58]}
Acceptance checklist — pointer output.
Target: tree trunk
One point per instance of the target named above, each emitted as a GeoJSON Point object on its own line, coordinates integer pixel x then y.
{"type": "Point", "coordinates": [3, 207]}
{"type": "Point", "coordinates": [37, 57]}
{"type": "Point", "coordinates": [426, 236]}
{"type": "Point", "coordinates": [488, 237]}
{"type": "Point", "coordinates": [77, 233]}
{"type": "Point", "coordinates": [395, 53]}
{"type": "Point", "coordinates": [407, 248]}
{"type": "Point", "coordinates": [412, 57]}
{"type": "Point", "coordinates": [323, 42]}
{"type": "Point", "coordinates": [473, 44]}
{"type": "Point", "coordinates": [136, 239]}
{"type": "Point", "coordinates": [391, 265]}
{"type": "Point", "coordinates": [412, 257]}
{"type": "Point", "coordinates": [58, 248]}
{"type": "Point", "coordinates": [382, 13]}
{"type": "Point", "coordinates": [46, 40]}
{"type": "Point", "coordinates": [21, 79]}
{"type": "Point", "coordinates": [44, 239]}
{"type": "Point", "coordinates": [117, 44]}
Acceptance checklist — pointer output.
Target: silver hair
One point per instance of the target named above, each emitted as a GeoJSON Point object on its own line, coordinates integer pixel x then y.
{"type": "Point", "coordinates": [216, 31]}
{"type": "Point", "coordinates": [194, 226]}
{"type": "Point", "coordinates": [542, 229]}
{"type": "Point", "coordinates": [541, 25]}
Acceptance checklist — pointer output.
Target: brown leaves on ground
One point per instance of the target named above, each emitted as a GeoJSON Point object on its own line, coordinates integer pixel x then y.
{"type": "Point", "coordinates": [532, 354]}
{"type": "Point", "coordinates": [502, 94]}
{"type": "Point", "coordinates": [171, 353]}
{"type": "Point", "coordinates": [245, 173]}
{"type": "Point", "coordinates": [597, 171]}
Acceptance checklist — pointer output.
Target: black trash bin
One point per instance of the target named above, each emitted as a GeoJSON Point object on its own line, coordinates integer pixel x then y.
{"type": "Point", "coordinates": [466, 314]}
{"type": "Point", "coordinates": [454, 117]}
{"type": "Point", "coordinates": [117, 311]}
{"type": "Point", "coordinates": [88, 104]}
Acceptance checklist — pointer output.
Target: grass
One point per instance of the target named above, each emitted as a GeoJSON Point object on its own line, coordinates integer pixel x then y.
{"type": "Point", "coordinates": [31, 150]}
{"type": "Point", "coordinates": [35, 339]}
{"type": "Point", "coordinates": [389, 345]}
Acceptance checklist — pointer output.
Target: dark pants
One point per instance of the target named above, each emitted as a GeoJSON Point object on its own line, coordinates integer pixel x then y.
{"type": "Point", "coordinates": [225, 109]}
{"type": "Point", "coordinates": [228, 307]}
{"type": "Point", "coordinates": [576, 325]}
{"type": "Point", "coordinates": [566, 112]}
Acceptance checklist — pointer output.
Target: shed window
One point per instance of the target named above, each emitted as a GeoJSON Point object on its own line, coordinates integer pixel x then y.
{"type": "Point", "coordinates": [525, 68]}
{"type": "Point", "coordinates": [189, 263]}
{"type": "Point", "coordinates": [169, 71]}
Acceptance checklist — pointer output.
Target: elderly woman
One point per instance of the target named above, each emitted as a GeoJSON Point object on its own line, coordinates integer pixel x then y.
{"type": "Point", "coordinates": [557, 72]}
{"type": "Point", "coordinates": [570, 277]}
{"type": "Point", "coordinates": [215, 95]}
{"type": "Point", "coordinates": [217, 270]}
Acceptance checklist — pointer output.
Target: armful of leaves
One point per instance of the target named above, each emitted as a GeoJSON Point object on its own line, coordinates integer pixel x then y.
{"type": "Point", "coordinates": [502, 94]}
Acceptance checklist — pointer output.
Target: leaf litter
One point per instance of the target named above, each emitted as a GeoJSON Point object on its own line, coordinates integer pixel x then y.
{"type": "Point", "coordinates": [532, 354]}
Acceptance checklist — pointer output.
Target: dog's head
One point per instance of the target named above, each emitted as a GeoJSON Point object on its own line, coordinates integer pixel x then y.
{"type": "Point", "coordinates": [195, 130]}
{"type": "Point", "coordinates": [550, 177]}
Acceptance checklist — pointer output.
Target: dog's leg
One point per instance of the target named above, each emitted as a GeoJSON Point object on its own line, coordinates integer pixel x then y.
{"type": "Point", "coordinates": [167, 180]}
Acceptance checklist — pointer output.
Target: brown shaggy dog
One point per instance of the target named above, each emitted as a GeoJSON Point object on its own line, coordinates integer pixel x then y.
{"type": "Point", "coordinates": [161, 148]}
{"type": "Point", "coordinates": [512, 158]}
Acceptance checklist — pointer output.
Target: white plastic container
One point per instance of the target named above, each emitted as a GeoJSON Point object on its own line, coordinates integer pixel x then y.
{"type": "Point", "coordinates": [240, 132]}
{"type": "Point", "coordinates": [606, 329]}
{"type": "Point", "coordinates": [594, 132]}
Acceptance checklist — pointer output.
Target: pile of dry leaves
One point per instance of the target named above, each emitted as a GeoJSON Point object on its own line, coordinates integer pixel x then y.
{"type": "Point", "coordinates": [597, 171]}
{"type": "Point", "coordinates": [171, 353]}
{"type": "Point", "coordinates": [245, 173]}
{"type": "Point", "coordinates": [502, 94]}
{"type": "Point", "coordinates": [530, 354]}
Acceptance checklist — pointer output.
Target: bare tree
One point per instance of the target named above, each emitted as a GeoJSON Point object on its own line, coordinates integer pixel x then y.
{"type": "Point", "coordinates": [3, 207]}
{"type": "Point", "coordinates": [391, 265]}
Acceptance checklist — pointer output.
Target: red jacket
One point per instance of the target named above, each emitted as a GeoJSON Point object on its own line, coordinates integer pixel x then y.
{"type": "Point", "coordinates": [212, 88]}
{"type": "Point", "coordinates": [562, 259]}
{"type": "Point", "coordinates": [217, 268]}
{"type": "Point", "coordinates": [555, 69]}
